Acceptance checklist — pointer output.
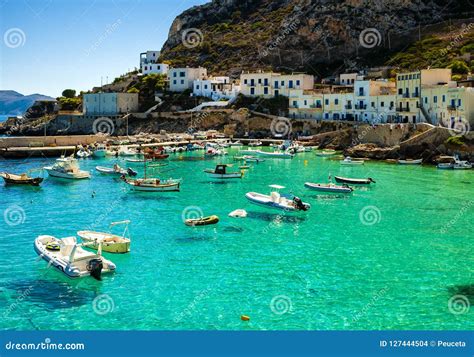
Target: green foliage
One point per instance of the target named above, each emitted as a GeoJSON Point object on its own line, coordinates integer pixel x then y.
{"type": "Point", "coordinates": [459, 67]}
{"type": "Point", "coordinates": [69, 103]}
{"type": "Point", "coordinates": [69, 93]}
{"type": "Point", "coordinates": [455, 140]}
{"type": "Point", "coordinates": [133, 90]}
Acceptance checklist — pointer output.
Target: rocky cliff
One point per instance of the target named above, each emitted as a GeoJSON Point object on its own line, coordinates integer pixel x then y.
{"type": "Point", "coordinates": [316, 36]}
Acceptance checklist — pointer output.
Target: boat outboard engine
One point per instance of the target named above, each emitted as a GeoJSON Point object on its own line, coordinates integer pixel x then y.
{"type": "Point", "coordinates": [131, 172]}
{"type": "Point", "coordinates": [95, 268]}
{"type": "Point", "coordinates": [299, 204]}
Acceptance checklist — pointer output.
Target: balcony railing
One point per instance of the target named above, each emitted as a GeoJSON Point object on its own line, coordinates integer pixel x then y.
{"type": "Point", "coordinates": [315, 106]}
{"type": "Point", "coordinates": [347, 106]}
{"type": "Point", "coordinates": [416, 94]}
{"type": "Point", "coordinates": [357, 106]}
{"type": "Point", "coordinates": [452, 107]}
{"type": "Point", "coordinates": [406, 95]}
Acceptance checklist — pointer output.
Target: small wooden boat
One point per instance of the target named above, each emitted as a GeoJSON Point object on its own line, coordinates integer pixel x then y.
{"type": "Point", "coordinates": [110, 242]}
{"type": "Point", "coordinates": [277, 201]}
{"type": "Point", "coordinates": [220, 172]}
{"type": "Point", "coordinates": [330, 187]}
{"type": "Point", "coordinates": [326, 153]}
{"type": "Point", "coordinates": [153, 185]}
{"type": "Point", "coordinates": [71, 259]}
{"type": "Point", "coordinates": [349, 161]}
{"type": "Point", "coordinates": [23, 179]}
{"type": "Point", "coordinates": [410, 162]}
{"type": "Point", "coordinates": [353, 181]}
{"type": "Point", "coordinates": [203, 221]}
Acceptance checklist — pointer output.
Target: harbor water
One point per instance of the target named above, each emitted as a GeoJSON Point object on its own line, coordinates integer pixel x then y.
{"type": "Point", "coordinates": [397, 254]}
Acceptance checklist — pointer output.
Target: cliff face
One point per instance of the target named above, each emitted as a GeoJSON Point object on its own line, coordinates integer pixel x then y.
{"type": "Point", "coordinates": [310, 35]}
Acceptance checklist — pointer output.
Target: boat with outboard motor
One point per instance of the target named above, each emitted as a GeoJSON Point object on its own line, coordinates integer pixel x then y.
{"type": "Point", "coordinates": [328, 187]}
{"type": "Point", "coordinates": [68, 168]}
{"type": "Point", "coordinates": [110, 243]}
{"type": "Point", "coordinates": [220, 172]}
{"type": "Point", "coordinates": [70, 257]}
{"type": "Point", "coordinates": [277, 200]}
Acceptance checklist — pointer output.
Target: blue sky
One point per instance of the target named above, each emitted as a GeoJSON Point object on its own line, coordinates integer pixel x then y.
{"type": "Point", "coordinates": [49, 45]}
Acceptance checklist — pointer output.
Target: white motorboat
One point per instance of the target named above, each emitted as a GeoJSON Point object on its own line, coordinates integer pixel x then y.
{"type": "Point", "coordinates": [154, 185]}
{"type": "Point", "coordinates": [460, 164]}
{"type": "Point", "coordinates": [278, 201]}
{"type": "Point", "coordinates": [274, 155]}
{"type": "Point", "coordinates": [70, 258]}
{"type": "Point", "coordinates": [326, 153]}
{"type": "Point", "coordinates": [99, 151]}
{"type": "Point", "coordinates": [116, 170]}
{"type": "Point", "coordinates": [110, 242]}
{"type": "Point", "coordinates": [349, 161]}
{"type": "Point", "coordinates": [67, 167]}
{"type": "Point", "coordinates": [329, 187]}
{"type": "Point", "coordinates": [410, 162]}
{"type": "Point", "coordinates": [83, 153]}
{"type": "Point", "coordinates": [215, 152]}
{"type": "Point", "coordinates": [220, 172]}
{"type": "Point", "coordinates": [126, 151]}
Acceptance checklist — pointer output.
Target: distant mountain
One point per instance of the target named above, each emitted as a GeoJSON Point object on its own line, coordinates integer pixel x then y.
{"type": "Point", "coordinates": [14, 103]}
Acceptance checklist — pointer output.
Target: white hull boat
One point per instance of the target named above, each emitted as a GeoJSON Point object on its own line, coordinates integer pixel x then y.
{"type": "Point", "coordinates": [111, 170]}
{"type": "Point", "coordinates": [328, 188]}
{"type": "Point", "coordinates": [277, 201]}
{"type": "Point", "coordinates": [67, 168]}
{"type": "Point", "coordinates": [410, 162]}
{"type": "Point", "coordinates": [69, 257]}
{"type": "Point", "coordinates": [275, 155]}
{"type": "Point", "coordinates": [349, 161]}
{"type": "Point", "coordinates": [154, 185]}
{"type": "Point", "coordinates": [99, 151]}
{"type": "Point", "coordinates": [220, 172]}
{"type": "Point", "coordinates": [83, 154]}
{"type": "Point", "coordinates": [110, 243]}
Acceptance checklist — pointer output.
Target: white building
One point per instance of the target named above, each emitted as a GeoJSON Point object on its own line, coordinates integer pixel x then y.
{"type": "Point", "coordinates": [215, 88]}
{"type": "Point", "coordinates": [109, 104]}
{"type": "Point", "coordinates": [348, 79]}
{"type": "Point", "coordinates": [269, 84]}
{"type": "Point", "coordinates": [149, 63]}
{"type": "Point", "coordinates": [181, 79]}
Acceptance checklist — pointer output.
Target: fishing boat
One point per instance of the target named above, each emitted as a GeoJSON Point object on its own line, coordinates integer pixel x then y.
{"type": "Point", "coordinates": [99, 150]}
{"type": "Point", "coordinates": [278, 201]}
{"type": "Point", "coordinates": [203, 221]}
{"type": "Point", "coordinates": [349, 161]}
{"type": "Point", "coordinates": [220, 172]}
{"type": "Point", "coordinates": [68, 168]}
{"type": "Point", "coordinates": [328, 187]}
{"type": "Point", "coordinates": [410, 162]}
{"type": "Point", "coordinates": [152, 184]}
{"type": "Point", "coordinates": [116, 170]}
{"type": "Point", "coordinates": [110, 243]}
{"type": "Point", "coordinates": [156, 154]}
{"type": "Point", "coordinates": [22, 179]}
{"type": "Point", "coordinates": [70, 258]}
{"type": "Point", "coordinates": [353, 181]}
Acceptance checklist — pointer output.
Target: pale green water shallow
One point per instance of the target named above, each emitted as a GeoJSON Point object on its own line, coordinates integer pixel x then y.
{"type": "Point", "coordinates": [338, 273]}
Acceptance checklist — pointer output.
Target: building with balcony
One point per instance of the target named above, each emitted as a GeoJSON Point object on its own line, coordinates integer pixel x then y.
{"type": "Point", "coordinates": [181, 79]}
{"type": "Point", "coordinates": [270, 84]}
{"type": "Point", "coordinates": [215, 88]}
{"type": "Point", "coordinates": [149, 63]}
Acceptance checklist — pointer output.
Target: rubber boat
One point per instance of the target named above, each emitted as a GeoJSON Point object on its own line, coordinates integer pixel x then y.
{"type": "Point", "coordinates": [110, 242]}
{"type": "Point", "coordinates": [277, 201]}
{"type": "Point", "coordinates": [70, 258]}
{"type": "Point", "coordinates": [22, 179]}
{"type": "Point", "coordinates": [203, 221]}
{"type": "Point", "coordinates": [67, 167]}
{"type": "Point", "coordinates": [99, 151]}
{"type": "Point", "coordinates": [329, 187]}
{"type": "Point", "coordinates": [348, 161]}
{"type": "Point", "coordinates": [220, 172]}
{"type": "Point", "coordinates": [116, 170]}
{"type": "Point", "coordinates": [153, 184]}
{"type": "Point", "coordinates": [353, 181]}
{"type": "Point", "coordinates": [410, 162]}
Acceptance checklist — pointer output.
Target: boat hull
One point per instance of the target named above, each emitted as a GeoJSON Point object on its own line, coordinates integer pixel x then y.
{"type": "Point", "coordinates": [10, 180]}
{"type": "Point", "coordinates": [169, 187]}
{"type": "Point", "coordinates": [410, 162]}
{"type": "Point", "coordinates": [266, 201]}
{"type": "Point", "coordinates": [76, 176]}
{"type": "Point", "coordinates": [110, 243]}
{"type": "Point", "coordinates": [353, 181]}
{"type": "Point", "coordinates": [328, 189]}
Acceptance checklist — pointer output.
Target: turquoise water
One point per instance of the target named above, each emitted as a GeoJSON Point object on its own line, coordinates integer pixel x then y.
{"type": "Point", "coordinates": [320, 270]}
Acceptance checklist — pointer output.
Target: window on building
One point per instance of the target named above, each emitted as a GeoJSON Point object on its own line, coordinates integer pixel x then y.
{"type": "Point", "coordinates": [252, 91]}
{"type": "Point", "coordinates": [336, 101]}
{"type": "Point", "coordinates": [443, 98]}
{"type": "Point", "coordinates": [158, 67]}
{"type": "Point", "coordinates": [298, 82]}
{"type": "Point", "coordinates": [277, 93]}
{"type": "Point", "coordinates": [290, 84]}
{"type": "Point", "coordinates": [276, 84]}
{"type": "Point", "coordinates": [197, 87]}
{"type": "Point", "coordinates": [459, 102]}
{"type": "Point", "coordinates": [265, 90]}
{"type": "Point", "coordinates": [245, 81]}
{"type": "Point", "coordinates": [326, 115]}
{"type": "Point", "coordinates": [260, 81]}
{"type": "Point", "coordinates": [174, 82]}
{"type": "Point", "coordinates": [265, 82]}
{"type": "Point", "coordinates": [182, 81]}
{"type": "Point", "coordinates": [305, 102]}
{"type": "Point", "coordinates": [435, 99]}
{"type": "Point", "coordinates": [182, 74]}
{"type": "Point", "coordinates": [282, 83]}
{"type": "Point", "coordinates": [295, 104]}
{"type": "Point", "coordinates": [400, 91]}
{"type": "Point", "coordinates": [175, 74]}
{"type": "Point", "coordinates": [373, 104]}
{"type": "Point", "coordinates": [391, 104]}
{"type": "Point", "coordinates": [326, 101]}
{"type": "Point", "coordinates": [205, 86]}
{"type": "Point", "coordinates": [426, 100]}
{"type": "Point", "coordinates": [382, 104]}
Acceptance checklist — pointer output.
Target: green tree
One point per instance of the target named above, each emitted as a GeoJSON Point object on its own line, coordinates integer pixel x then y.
{"type": "Point", "coordinates": [69, 93]}
{"type": "Point", "coordinates": [459, 67]}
